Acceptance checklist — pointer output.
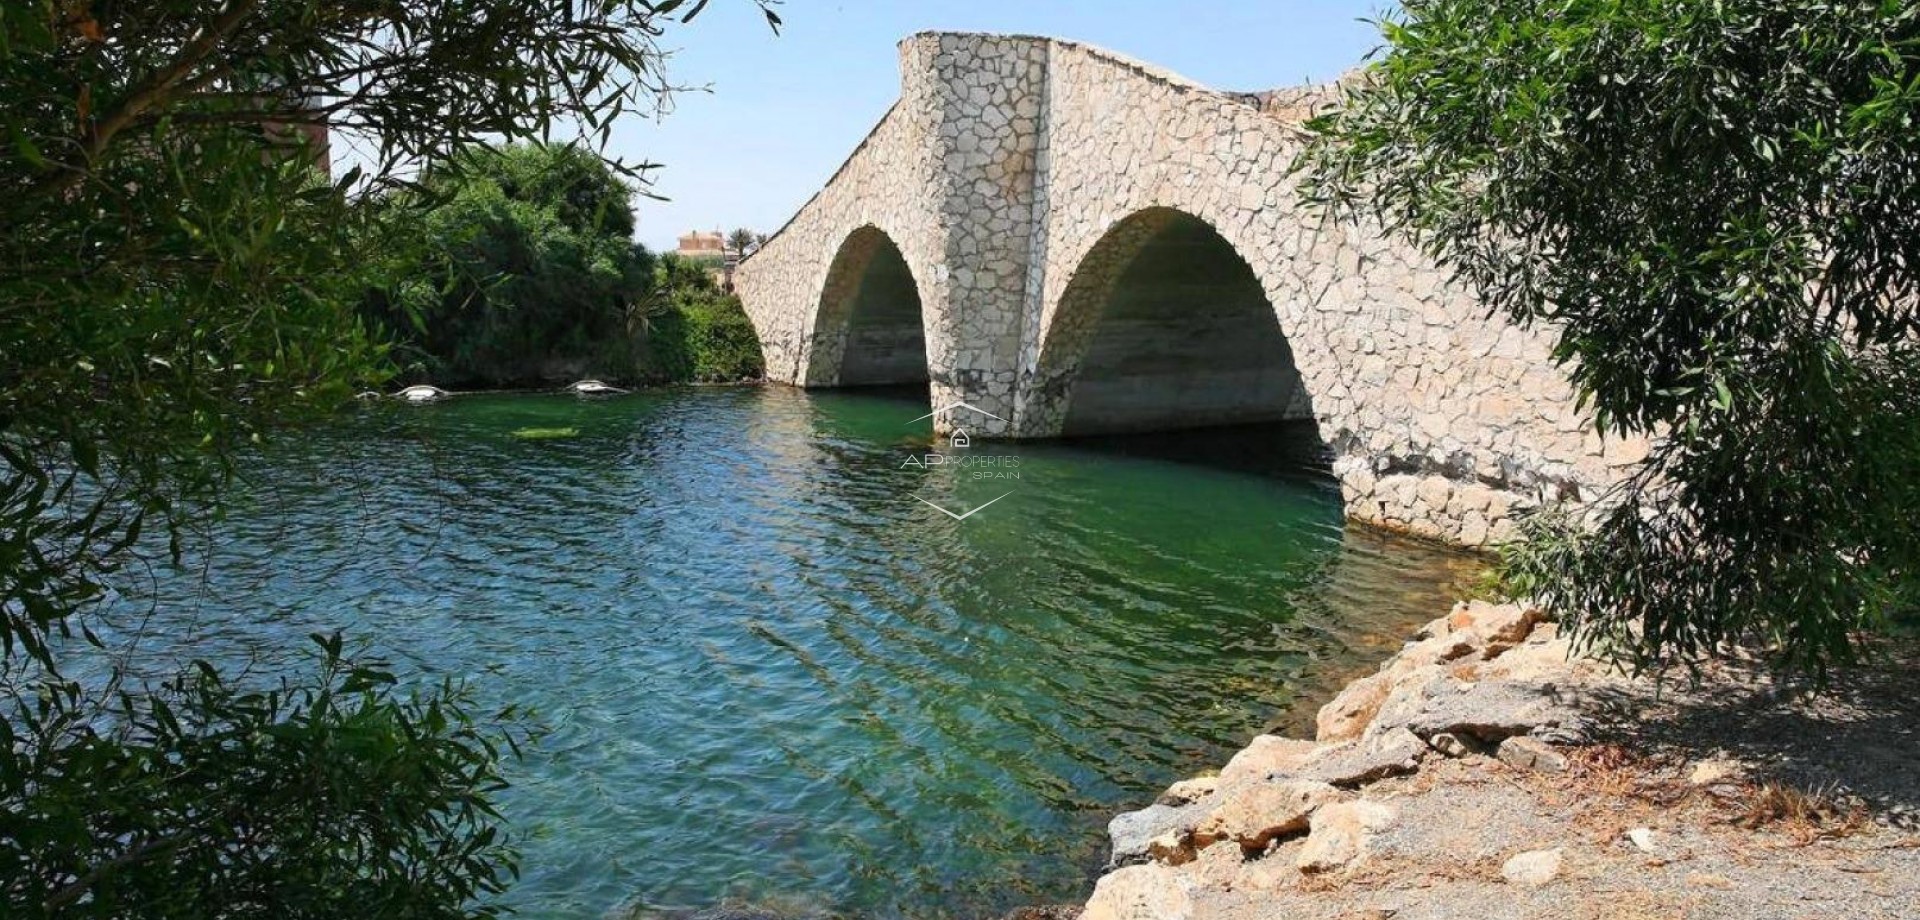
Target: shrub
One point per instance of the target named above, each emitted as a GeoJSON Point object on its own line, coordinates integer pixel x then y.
{"type": "Point", "coordinates": [1711, 205]}
{"type": "Point", "coordinates": [699, 332]}
{"type": "Point", "coordinates": [529, 276]}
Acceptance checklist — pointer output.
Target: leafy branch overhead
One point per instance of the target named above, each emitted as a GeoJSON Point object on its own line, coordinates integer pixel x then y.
{"type": "Point", "coordinates": [1711, 206]}
{"type": "Point", "coordinates": [411, 81]}
{"type": "Point", "coordinates": [177, 283]}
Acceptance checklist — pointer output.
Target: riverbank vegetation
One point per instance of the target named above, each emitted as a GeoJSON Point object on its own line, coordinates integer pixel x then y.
{"type": "Point", "coordinates": [696, 331]}
{"type": "Point", "coordinates": [528, 276]}
{"type": "Point", "coordinates": [180, 283]}
{"type": "Point", "coordinates": [527, 271]}
{"type": "Point", "coordinates": [1712, 206]}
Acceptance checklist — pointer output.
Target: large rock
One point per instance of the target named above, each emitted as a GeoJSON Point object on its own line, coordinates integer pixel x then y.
{"type": "Point", "coordinates": [1133, 833]}
{"type": "Point", "coordinates": [1494, 624]}
{"type": "Point", "coordinates": [1339, 833]}
{"type": "Point", "coordinates": [1413, 691]}
{"type": "Point", "coordinates": [1188, 791]}
{"type": "Point", "coordinates": [1347, 715]}
{"type": "Point", "coordinates": [1265, 756]}
{"type": "Point", "coordinates": [1532, 754]}
{"type": "Point", "coordinates": [1544, 657]}
{"type": "Point", "coordinates": [1147, 892]}
{"type": "Point", "coordinates": [1255, 816]}
{"type": "Point", "coordinates": [1437, 650]}
{"type": "Point", "coordinates": [1374, 757]}
{"type": "Point", "coordinates": [1436, 627]}
{"type": "Point", "coordinates": [1173, 848]}
{"type": "Point", "coordinates": [1496, 710]}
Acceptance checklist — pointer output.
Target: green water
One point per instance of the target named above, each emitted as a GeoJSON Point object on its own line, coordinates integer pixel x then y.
{"type": "Point", "coordinates": [770, 674]}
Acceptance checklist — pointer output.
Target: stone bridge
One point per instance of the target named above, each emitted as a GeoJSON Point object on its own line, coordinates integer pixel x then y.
{"type": "Point", "coordinates": [1078, 243]}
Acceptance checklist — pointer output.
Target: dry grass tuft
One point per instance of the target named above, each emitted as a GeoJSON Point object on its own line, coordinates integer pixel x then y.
{"type": "Point", "coordinates": [1621, 772]}
{"type": "Point", "coordinates": [1806, 816]}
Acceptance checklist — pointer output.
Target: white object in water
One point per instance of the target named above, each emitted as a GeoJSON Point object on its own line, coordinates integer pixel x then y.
{"type": "Point", "coordinates": [422, 394]}
{"type": "Point", "coordinates": [594, 388]}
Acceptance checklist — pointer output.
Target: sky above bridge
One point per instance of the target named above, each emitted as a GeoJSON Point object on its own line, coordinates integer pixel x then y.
{"type": "Point", "coordinates": [783, 112]}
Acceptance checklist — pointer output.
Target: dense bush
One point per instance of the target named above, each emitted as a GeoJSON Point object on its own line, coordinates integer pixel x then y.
{"type": "Point", "coordinates": [531, 275]}
{"type": "Point", "coordinates": [336, 797]}
{"type": "Point", "coordinates": [1712, 205]}
{"type": "Point", "coordinates": [698, 331]}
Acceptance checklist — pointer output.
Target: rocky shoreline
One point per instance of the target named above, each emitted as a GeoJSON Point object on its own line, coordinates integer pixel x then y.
{"type": "Point", "coordinates": [1486, 771]}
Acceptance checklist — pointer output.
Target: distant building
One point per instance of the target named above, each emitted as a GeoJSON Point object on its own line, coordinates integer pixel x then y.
{"type": "Point", "coordinates": [710, 248]}
{"type": "Point", "coordinates": [706, 246]}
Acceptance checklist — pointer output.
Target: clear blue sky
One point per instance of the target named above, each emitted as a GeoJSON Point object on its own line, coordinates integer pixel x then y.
{"type": "Point", "coordinates": [784, 111]}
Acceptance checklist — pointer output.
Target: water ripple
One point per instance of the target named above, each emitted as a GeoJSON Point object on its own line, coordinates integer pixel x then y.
{"type": "Point", "coordinates": [765, 670]}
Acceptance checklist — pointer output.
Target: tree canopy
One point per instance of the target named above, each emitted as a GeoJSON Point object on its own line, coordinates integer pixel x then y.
{"type": "Point", "coordinates": [527, 272]}
{"type": "Point", "coordinates": [1711, 205]}
{"type": "Point", "coordinates": [699, 332]}
{"type": "Point", "coordinates": [177, 282]}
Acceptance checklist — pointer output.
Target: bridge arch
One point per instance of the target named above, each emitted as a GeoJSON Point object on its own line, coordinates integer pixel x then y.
{"type": "Point", "coordinates": [1162, 324]}
{"type": "Point", "coordinates": [869, 329]}
{"type": "Point", "coordinates": [1038, 189]}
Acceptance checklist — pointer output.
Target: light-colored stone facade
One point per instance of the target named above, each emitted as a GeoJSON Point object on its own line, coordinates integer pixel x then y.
{"type": "Point", "coordinates": [1020, 177]}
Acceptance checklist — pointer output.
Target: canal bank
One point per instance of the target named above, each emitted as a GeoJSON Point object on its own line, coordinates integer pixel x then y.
{"type": "Point", "coordinates": [1487, 771]}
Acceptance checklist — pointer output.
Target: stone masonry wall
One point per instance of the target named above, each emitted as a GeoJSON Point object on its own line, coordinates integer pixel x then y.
{"type": "Point", "coordinates": [1020, 176]}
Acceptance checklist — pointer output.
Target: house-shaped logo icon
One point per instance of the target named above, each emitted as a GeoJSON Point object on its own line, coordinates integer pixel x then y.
{"type": "Point", "coordinates": [957, 438]}
{"type": "Point", "coordinates": [947, 412]}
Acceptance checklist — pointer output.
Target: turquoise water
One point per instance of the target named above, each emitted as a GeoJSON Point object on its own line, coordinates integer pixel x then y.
{"type": "Point", "coordinates": [770, 675]}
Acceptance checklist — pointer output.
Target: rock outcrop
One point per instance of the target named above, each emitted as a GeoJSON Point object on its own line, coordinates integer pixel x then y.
{"type": "Point", "coordinates": [1486, 772]}
{"type": "Point", "coordinates": [1485, 680]}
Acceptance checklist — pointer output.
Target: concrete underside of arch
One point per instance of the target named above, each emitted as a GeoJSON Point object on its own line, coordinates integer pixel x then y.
{"type": "Point", "coordinates": [1093, 244]}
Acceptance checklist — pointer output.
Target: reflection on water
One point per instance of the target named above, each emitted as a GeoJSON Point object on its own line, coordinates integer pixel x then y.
{"type": "Point", "coordinates": [768, 672]}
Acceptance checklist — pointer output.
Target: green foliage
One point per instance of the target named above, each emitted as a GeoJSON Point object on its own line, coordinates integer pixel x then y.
{"type": "Point", "coordinates": [742, 242]}
{"type": "Point", "coordinates": [177, 283]}
{"type": "Point", "coordinates": [335, 798]}
{"type": "Point", "coordinates": [530, 274]}
{"type": "Point", "coordinates": [1711, 204]}
{"type": "Point", "coordinates": [699, 332]}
